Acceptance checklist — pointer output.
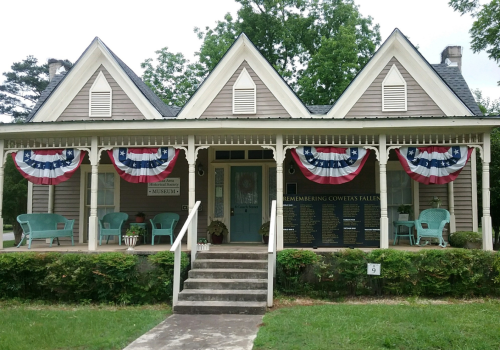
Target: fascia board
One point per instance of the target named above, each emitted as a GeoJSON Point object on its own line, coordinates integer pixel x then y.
{"type": "Point", "coordinates": [79, 76]}
{"type": "Point", "coordinates": [431, 83]}
{"type": "Point", "coordinates": [243, 50]}
{"type": "Point", "coordinates": [262, 126]}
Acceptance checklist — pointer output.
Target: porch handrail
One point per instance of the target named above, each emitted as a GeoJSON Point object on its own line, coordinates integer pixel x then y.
{"type": "Point", "coordinates": [191, 221]}
{"type": "Point", "coordinates": [271, 256]}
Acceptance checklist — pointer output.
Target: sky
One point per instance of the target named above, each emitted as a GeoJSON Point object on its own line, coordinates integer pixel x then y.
{"type": "Point", "coordinates": [134, 30]}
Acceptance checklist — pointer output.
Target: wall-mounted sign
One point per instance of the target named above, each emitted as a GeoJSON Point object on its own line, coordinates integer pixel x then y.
{"type": "Point", "coordinates": [373, 269]}
{"type": "Point", "coordinates": [171, 186]}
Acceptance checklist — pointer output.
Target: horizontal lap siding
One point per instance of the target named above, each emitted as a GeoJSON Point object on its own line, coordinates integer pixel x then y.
{"type": "Point", "coordinates": [267, 104]}
{"type": "Point", "coordinates": [67, 200]}
{"type": "Point", "coordinates": [427, 193]}
{"type": "Point", "coordinates": [40, 199]}
{"type": "Point", "coordinates": [134, 198]}
{"type": "Point", "coordinates": [122, 105]}
{"type": "Point", "coordinates": [418, 101]}
{"type": "Point", "coordinates": [462, 188]}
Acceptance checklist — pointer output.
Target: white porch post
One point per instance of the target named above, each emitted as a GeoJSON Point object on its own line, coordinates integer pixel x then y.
{"type": "Point", "coordinates": [2, 167]}
{"type": "Point", "coordinates": [486, 221]}
{"type": "Point", "coordinates": [93, 219]}
{"type": "Point", "coordinates": [451, 207]}
{"type": "Point", "coordinates": [191, 158]}
{"type": "Point", "coordinates": [280, 157]}
{"type": "Point", "coordinates": [384, 219]}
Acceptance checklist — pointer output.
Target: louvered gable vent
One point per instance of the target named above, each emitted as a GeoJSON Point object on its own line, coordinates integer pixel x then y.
{"type": "Point", "coordinates": [244, 94]}
{"type": "Point", "coordinates": [394, 91]}
{"type": "Point", "coordinates": [100, 97]}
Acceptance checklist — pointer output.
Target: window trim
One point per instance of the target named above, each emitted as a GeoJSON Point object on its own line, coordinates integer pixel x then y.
{"type": "Point", "coordinates": [389, 80]}
{"type": "Point", "coordinates": [101, 85]}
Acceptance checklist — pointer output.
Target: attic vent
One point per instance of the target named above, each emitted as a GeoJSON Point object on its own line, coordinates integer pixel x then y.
{"type": "Point", "coordinates": [394, 91]}
{"type": "Point", "coordinates": [244, 94]}
{"type": "Point", "coordinates": [100, 97]}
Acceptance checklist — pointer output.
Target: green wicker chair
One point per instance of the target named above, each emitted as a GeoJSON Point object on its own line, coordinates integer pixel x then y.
{"type": "Point", "coordinates": [166, 223]}
{"type": "Point", "coordinates": [111, 225]}
{"type": "Point", "coordinates": [435, 220]}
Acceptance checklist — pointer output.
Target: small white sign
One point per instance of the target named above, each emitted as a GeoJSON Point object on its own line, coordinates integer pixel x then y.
{"type": "Point", "coordinates": [171, 186]}
{"type": "Point", "coordinates": [373, 269]}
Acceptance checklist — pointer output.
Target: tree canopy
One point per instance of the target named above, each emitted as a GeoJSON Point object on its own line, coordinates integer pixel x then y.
{"type": "Point", "coordinates": [317, 46]}
{"type": "Point", "coordinates": [485, 31]}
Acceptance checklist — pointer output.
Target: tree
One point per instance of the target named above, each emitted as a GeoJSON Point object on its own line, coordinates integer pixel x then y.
{"type": "Point", "coordinates": [485, 31]}
{"type": "Point", "coordinates": [15, 191]}
{"type": "Point", "coordinates": [173, 79]}
{"type": "Point", "coordinates": [317, 46]}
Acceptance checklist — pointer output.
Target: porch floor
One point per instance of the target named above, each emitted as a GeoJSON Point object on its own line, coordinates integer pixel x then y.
{"type": "Point", "coordinates": [149, 249]}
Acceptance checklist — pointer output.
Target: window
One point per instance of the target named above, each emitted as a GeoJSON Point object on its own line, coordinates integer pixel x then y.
{"type": "Point", "coordinates": [394, 91]}
{"type": "Point", "coordinates": [100, 97]}
{"type": "Point", "coordinates": [244, 94]}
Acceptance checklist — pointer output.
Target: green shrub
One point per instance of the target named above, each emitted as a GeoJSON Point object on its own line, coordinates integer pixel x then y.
{"type": "Point", "coordinates": [290, 265]}
{"type": "Point", "coordinates": [461, 238]}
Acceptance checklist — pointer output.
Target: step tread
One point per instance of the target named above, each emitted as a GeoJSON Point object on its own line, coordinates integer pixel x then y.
{"type": "Point", "coordinates": [223, 303]}
{"type": "Point", "coordinates": [211, 269]}
{"type": "Point", "coordinates": [224, 291]}
{"type": "Point", "coordinates": [230, 260]}
{"type": "Point", "coordinates": [226, 280]}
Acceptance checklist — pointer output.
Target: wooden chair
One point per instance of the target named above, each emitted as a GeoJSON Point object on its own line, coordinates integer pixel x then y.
{"type": "Point", "coordinates": [435, 220]}
{"type": "Point", "coordinates": [164, 225]}
{"type": "Point", "coordinates": [111, 225]}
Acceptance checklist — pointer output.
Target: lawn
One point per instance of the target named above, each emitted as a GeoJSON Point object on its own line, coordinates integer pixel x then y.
{"type": "Point", "coordinates": [408, 327]}
{"type": "Point", "coordinates": [44, 327]}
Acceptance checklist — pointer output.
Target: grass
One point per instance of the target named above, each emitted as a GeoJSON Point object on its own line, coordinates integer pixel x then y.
{"type": "Point", "coordinates": [408, 327]}
{"type": "Point", "coordinates": [9, 244]}
{"type": "Point", "coordinates": [44, 327]}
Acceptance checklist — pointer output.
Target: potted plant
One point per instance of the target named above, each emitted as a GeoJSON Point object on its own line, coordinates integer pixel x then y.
{"type": "Point", "coordinates": [404, 211]}
{"type": "Point", "coordinates": [131, 236]}
{"type": "Point", "coordinates": [140, 217]}
{"type": "Point", "coordinates": [264, 231]}
{"type": "Point", "coordinates": [435, 202]}
{"type": "Point", "coordinates": [217, 229]}
{"type": "Point", "coordinates": [203, 244]}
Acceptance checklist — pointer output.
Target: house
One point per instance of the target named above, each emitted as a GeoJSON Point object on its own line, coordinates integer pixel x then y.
{"type": "Point", "coordinates": [244, 138]}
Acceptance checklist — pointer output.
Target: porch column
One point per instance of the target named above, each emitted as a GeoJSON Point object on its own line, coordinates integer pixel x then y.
{"type": "Point", "coordinates": [2, 167]}
{"type": "Point", "coordinates": [280, 157]}
{"type": "Point", "coordinates": [93, 219]}
{"type": "Point", "coordinates": [451, 207]}
{"type": "Point", "coordinates": [486, 220]}
{"type": "Point", "coordinates": [191, 158]}
{"type": "Point", "coordinates": [384, 219]}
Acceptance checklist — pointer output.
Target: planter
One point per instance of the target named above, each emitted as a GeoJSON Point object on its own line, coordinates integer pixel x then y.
{"type": "Point", "coordinates": [217, 239]}
{"type": "Point", "coordinates": [203, 246]}
{"type": "Point", "coordinates": [266, 239]}
{"type": "Point", "coordinates": [130, 241]}
{"type": "Point", "coordinates": [139, 219]}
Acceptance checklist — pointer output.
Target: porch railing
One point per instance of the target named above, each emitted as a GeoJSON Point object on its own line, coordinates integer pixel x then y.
{"type": "Point", "coordinates": [191, 222]}
{"type": "Point", "coordinates": [271, 256]}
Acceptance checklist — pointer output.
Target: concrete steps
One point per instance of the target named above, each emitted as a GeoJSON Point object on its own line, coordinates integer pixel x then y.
{"type": "Point", "coordinates": [225, 283]}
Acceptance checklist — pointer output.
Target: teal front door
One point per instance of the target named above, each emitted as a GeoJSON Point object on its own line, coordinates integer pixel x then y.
{"type": "Point", "coordinates": [246, 203]}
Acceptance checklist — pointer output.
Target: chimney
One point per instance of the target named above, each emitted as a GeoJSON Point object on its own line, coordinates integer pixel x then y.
{"type": "Point", "coordinates": [54, 66]}
{"type": "Point", "coordinates": [452, 56]}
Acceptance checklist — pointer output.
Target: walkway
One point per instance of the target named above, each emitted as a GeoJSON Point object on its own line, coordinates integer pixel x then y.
{"type": "Point", "coordinates": [201, 332]}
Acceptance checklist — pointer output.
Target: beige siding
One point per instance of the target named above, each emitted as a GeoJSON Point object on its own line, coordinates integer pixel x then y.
{"type": "Point", "coordinates": [67, 200]}
{"type": "Point", "coordinates": [427, 192]}
{"type": "Point", "coordinates": [122, 107]}
{"type": "Point", "coordinates": [462, 188]}
{"type": "Point", "coordinates": [418, 101]}
{"type": "Point", "coordinates": [133, 197]}
{"type": "Point", "coordinates": [40, 199]}
{"type": "Point", "coordinates": [267, 104]}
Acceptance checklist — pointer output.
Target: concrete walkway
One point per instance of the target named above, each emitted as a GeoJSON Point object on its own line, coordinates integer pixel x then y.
{"type": "Point", "coordinates": [8, 236]}
{"type": "Point", "coordinates": [201, 332]}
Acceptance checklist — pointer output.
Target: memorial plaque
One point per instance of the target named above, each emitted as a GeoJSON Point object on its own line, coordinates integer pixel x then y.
{"type": "Point", "coordinates": [331, 220]}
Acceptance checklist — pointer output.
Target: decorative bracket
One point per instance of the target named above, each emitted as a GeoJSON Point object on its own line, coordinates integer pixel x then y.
{"type": "Point", "coordinates": [389, 150]}
{"type": "Point", "coordinates": [480, 148]}
{"type": "Point", "coordinates": [197, 149]}
{"type": "Point", "coordinates": [285, 149]}
{"type": "Point", "coordinates": [377, 153]}
{"type": "Point", "coordinates": [6, 154]}
{"type": "Point", "coordinates": [272, 148]}
{"type": "Point", "coordinates": [99, 153]}
{"type": "Point", "coordinates": [185, 151]}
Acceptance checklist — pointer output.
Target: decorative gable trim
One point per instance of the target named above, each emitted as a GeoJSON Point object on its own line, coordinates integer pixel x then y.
{"type": "Point", "coordinates": [244, 94]}
{"type": "Point", "coordinates": [97, 54]}
{"type": "Point", "coordinates": [394, 91]}
{"type": "Point", "coordinates": [100, 97]}
{"type": "Point", "coordinates": [398, 46]}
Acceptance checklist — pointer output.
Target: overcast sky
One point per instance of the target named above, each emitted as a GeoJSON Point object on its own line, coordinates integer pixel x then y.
{"type": "Point", "coordinates": [135, 29]}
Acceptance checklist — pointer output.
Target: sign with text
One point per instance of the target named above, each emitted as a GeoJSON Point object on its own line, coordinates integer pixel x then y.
{"type": "Point", "coordinates": [373, 269]}
{"type": "Point", "coordinates": [331, 220]}
{"type": "Point", "coordinates": [171, 186]}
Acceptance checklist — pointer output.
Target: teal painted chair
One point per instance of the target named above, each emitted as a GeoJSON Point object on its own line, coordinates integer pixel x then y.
{"type": "Point", "coordinates": [45, 225]}
{"type": "Point", "coordinates": [164, 225]}
{"type": "Point", "coordinates": [434, 221]}
{"type": "Point", "coordinates": [111, 225]}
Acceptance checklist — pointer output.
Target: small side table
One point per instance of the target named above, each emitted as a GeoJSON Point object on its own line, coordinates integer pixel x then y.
{"type": "Point", "coordinates": [143, 225]}
{"type": "Point", "coordinates": [409, 224]}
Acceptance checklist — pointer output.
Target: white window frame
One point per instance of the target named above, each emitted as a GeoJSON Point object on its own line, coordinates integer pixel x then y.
{"type": "Point", "coordinates": [101, 85]}
{"type": "Point", "coordinates": [245, 82]}
{"type": "Point", "coordinates": [394, 79]}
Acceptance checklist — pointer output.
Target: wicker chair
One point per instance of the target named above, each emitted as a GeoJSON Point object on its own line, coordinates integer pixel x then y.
{"type": "Point", "coordinates": [435, 220]}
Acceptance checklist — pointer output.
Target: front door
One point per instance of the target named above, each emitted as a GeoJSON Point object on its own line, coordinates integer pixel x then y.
{"type": "Point", "coordinates": [246, 203]}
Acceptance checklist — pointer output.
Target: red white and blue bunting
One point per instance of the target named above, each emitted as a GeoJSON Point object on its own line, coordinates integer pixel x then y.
{"type": "Point", "coordinates": [144, 165]}
{"type": "Point", "coordinates": [435, 164]}
{"type": "Point", "coordinates": [330, 165]}
{"type": "Point", "coordinates": [48, 167]}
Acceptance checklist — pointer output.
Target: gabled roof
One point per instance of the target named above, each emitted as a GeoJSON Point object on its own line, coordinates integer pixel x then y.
{"type": "Point", "coordinates": [397, 45]}
{"type": "Point", "coordinates": [163, 109]}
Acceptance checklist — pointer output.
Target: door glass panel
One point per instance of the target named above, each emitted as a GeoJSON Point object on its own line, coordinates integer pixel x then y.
{"type": "Point", "coordinates": [246, 189]}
